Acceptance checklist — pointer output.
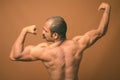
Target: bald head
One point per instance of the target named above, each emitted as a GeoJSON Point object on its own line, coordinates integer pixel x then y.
{"type": "Point", "coordinates": [58, 26]}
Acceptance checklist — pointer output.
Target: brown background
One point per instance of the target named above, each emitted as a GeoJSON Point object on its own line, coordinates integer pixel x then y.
{"type": "Point", "coordinates": [100, 62]}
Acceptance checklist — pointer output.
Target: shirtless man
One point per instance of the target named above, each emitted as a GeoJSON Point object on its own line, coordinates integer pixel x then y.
{"type": "Point", "coordinates": [61, 56]}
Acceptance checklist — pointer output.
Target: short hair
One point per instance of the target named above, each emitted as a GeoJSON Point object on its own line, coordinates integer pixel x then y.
{"type": "Point", "coordinates": [59, 26]}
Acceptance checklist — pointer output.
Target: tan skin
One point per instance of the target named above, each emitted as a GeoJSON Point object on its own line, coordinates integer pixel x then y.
{"type": "Point", "coordinates": [61, 57]}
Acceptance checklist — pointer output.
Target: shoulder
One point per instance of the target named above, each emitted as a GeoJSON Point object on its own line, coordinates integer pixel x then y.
{"type": "Point", "coordinates": [42, 45]}
{"type": "Point", "coordinates": [40, 51]}
{"type": "Point", "coordinates": [76, 38]}
{"type": "Point", "coordinates": [82, 41]}
{"type": "Point", "coordinates": [39, 48]}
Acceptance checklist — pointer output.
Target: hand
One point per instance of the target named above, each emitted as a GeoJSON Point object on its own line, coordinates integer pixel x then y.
{"type": "Point", "coordinates": [104, 6]}
{"type": "Point", "coordinates": [31, 29]}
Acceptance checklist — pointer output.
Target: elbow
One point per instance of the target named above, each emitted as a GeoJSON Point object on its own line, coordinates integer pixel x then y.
{"type": "Point", "coordinates": [101, 33]}
{"type": "Point", "coordinates": [14, 56]}
{"type": "Point", "coordinates": [11, 56]}
{"type": "Point", "coordinates": [12, 59]}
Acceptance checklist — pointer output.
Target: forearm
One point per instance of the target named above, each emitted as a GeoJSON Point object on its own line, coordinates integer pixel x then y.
{"type": "Point", "coordinates": [18, 46]}
{"type": "Point", "coordinates": [103, 26]}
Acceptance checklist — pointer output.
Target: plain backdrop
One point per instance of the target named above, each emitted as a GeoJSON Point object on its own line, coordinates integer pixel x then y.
{"type": "Point", "coordinates": [100, 62]}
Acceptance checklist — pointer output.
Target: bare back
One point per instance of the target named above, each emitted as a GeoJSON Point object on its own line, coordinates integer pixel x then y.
{"type": "Point", "coordinates": [62, 58]}
{"type": "Point", "coordinates": [64, 61]}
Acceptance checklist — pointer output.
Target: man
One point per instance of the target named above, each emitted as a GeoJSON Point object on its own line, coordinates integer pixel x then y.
{"type": "Point", "coordinates": [61, 57]}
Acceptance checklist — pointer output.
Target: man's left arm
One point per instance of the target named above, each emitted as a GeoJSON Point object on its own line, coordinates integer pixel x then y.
{"type": "Point", "coordinates": [90, 37]}
{"type": "Point", "coordinates": [96, 34]}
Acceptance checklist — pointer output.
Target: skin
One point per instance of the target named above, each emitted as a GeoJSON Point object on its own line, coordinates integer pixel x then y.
{"type": "Point", "coordinates": [61, 57]}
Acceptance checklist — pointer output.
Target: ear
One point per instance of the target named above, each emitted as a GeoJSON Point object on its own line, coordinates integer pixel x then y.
{"type": "Point", "coordinates": [55, 35]}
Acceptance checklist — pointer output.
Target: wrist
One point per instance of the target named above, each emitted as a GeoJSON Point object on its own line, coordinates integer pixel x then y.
{"type": "Point", "coordinates": [24, 30]}
{"type": "Point", "coordinates": [108, 8]}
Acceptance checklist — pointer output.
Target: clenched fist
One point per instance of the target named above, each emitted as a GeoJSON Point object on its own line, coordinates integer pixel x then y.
{"type": "Point", "coordinates": [31, 29]}
{"type": "Point", "coordinates": [104, 6]}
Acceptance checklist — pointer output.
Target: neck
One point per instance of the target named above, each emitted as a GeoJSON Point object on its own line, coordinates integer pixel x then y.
{"type": "Point", "coordinates": [58, 42]}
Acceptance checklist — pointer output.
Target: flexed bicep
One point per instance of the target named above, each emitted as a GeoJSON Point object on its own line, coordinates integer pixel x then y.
{"type": "Point", "coordinates": [25, 55]}
{"type": "Point", "coordinates": [18, 52]}
{"type": "Point", "coordinates": [92, 36]}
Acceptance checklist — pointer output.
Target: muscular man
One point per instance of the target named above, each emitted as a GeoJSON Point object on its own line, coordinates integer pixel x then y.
{"type": "Point", "coordinates": [61, 57]}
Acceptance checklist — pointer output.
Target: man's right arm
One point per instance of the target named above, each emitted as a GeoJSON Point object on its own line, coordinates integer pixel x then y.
{"type": "Point", "coordinates": [18, 51]}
